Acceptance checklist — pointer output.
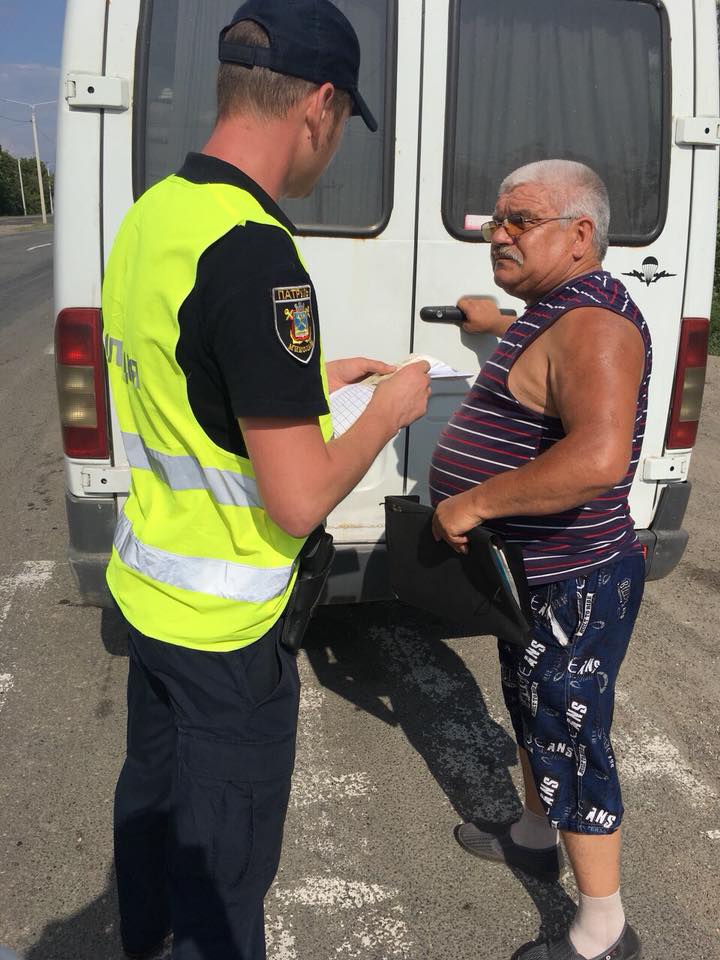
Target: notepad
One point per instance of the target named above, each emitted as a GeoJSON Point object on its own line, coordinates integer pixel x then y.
{"type": "Point", "coordinates": [348, 403]}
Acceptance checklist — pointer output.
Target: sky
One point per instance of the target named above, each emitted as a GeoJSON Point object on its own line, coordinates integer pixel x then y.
{"type": "Point", "coordinates": [30, 48]}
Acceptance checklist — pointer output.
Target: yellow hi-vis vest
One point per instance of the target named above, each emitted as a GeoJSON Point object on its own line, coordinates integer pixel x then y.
{"type": "Point", "coordinates": [196, 559]}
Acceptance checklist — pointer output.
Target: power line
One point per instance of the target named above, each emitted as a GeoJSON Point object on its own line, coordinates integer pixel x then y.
{"type": "Point", "coordinates": [13, 120]}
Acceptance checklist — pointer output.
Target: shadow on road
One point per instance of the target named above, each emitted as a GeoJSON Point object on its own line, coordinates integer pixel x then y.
{"type": "Point", "coordinates": [406, 675]}
{"type": "Point", "coordinates": [399, 669]}
{"type": "Point", "coordinates": [113, 632]}
{"type": "Point", "coordinates": [89, 934]}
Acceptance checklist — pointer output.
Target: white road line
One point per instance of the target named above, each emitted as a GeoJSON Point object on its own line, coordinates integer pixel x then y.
{"type": "Point", "coordinates": [7, 682]}
{"type": "Point", "coordinates": [34, 574]}
{"type": "Point", "coordinates": [648, 756]}
{"type": "Point", "coordinates": [49, 351]}
{"type": "Point", "coordinates": [335, 893]}
{"type": "Point", "coordinates": [359, 915]}
{"type": "Point", "coordinates": [39, 247]}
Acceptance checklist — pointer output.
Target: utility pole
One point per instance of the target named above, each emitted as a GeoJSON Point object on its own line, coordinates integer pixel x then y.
{"type": "Point", "coordinates": [52, 212]}
{"type": "Point", "coordinates": [22, 188]}
{"type": "Point", "coordinates": [41, 187]}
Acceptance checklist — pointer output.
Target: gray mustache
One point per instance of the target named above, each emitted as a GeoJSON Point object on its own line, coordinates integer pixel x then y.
{"type": "Point", "coordinates": [508, 253]}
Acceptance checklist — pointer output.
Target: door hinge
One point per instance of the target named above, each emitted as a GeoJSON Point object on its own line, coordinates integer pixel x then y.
{"type": "Point", "coordinates": [666, 468]}
{"type": "Point", "coordinates": [86, 91]}
{"type": "Point", "coordinates": [105, 479]}
{"type": "Point", "coordinates": [697, 131]}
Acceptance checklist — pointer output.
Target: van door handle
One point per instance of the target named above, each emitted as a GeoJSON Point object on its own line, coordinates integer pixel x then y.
{"type": "Point", "coordinates": [442, 315]}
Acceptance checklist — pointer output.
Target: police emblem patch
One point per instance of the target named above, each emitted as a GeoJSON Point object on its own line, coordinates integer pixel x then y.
{"type": "Point", "coordinates": [294, 321]}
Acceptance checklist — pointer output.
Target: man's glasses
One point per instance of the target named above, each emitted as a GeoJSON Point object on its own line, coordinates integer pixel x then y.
{"type": "Point", "coordinates": [515, 224]}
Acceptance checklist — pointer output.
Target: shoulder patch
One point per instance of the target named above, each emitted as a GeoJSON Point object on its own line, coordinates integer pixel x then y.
{"type": "Point", "coordinates": [294, 321]}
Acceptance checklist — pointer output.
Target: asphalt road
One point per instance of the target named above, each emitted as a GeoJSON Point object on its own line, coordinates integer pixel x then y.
{"type": "Point", "coordinates": [402, 734]}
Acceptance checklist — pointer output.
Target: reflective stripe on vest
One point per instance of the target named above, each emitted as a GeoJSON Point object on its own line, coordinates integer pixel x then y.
{"type": "Point", "coordinates": [228, 488]}
{"type": "Point", "coordinates": [219, 578]}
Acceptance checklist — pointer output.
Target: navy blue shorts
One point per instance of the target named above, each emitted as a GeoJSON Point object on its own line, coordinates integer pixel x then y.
{"type": "Point", "coordinates": [560, 692]}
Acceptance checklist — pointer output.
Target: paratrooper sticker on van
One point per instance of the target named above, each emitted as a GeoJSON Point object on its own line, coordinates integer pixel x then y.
{"type": "Point", "coordinates": [649, 272]}
{"type": "Point", "coordinates": [294, 320]}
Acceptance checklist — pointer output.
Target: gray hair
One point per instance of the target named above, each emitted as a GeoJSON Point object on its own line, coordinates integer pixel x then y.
{"type": "Point", "coordinates": [575, 190]}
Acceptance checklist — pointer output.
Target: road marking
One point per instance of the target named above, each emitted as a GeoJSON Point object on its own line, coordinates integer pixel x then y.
{"type": "Point", "coordinates": [39, 247]}
{"type": "Point", "coordinates": [655, 757]}
{"type": "Point", "coordinates": [280, 942]}
{"type": "Point", "coordinates": [7, 682]}
{"type": "Point", "coordinates": [49, 351]}
{"type": "Point", "coordinates": [359, 915]}
{"type": "Point", "coordinates": [646, 755]}
{"type": "Point", "coordinates": [336, 893]}
{"type": "Point", "coordinates": [34, 574]}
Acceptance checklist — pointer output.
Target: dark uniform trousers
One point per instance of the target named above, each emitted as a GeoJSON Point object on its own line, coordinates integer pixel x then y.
{"type": "Point", "coordinates": [201, 800]}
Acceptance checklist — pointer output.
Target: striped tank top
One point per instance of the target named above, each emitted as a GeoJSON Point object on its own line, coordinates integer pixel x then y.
{"type": "Point", "coordinates": [492, 432]}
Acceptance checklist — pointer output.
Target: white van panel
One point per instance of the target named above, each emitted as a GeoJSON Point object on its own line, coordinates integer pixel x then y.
{"type": "Point", "coordinates": [77, 187]}
{"type": "Point", "coordinates": [117, 149]}
{"type": "Point", "coordinates": [706, 160]}
{"type": "Point", "coordinates": [365, 290]}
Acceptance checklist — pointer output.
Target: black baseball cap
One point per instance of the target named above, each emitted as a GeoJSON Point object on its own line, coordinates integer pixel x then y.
{"type": "Point", "coordinates": [311, 39]}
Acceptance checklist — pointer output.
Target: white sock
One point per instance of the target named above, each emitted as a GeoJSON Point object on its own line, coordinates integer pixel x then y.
{"type": "Point", "coordinates": [598, 924]}
{"type": "Point", "coordinates": [533, 831]}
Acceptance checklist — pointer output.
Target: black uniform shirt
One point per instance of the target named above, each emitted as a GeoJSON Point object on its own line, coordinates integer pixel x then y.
{"type": "Point", "coordinates": [249, 334]}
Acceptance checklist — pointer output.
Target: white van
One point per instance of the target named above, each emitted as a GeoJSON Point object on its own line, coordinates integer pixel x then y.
{"type": "Point", "coordinates": [465, 91]}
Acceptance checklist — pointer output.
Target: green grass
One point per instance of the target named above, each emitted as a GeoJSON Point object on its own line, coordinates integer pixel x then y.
{"type": "Point", "coordinates": [714, 346]}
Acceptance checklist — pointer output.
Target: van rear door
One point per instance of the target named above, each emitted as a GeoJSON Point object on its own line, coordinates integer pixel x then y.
{"type": "Point", "coordinates": [522, 81]}
{"type": "Point", "coordinates": [357, 230]}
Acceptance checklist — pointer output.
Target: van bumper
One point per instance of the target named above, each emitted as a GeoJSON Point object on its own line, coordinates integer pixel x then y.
{"type": "Point", "coordinates": [666, 540]}
{"type": "Point", "coordinates": [360, 571]}
{"type": "Point", "coordinates": [91, 527]}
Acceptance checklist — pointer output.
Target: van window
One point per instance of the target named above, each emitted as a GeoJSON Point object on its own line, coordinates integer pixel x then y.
{"type": "Point", "coordinates": [582, 80]}
{"type": "Point", "coordinates": [177, 68]}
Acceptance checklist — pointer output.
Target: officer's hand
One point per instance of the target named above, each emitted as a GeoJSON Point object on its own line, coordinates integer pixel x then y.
{"type": "Point", "coordinates": [452, 520]}
{"type": "Point", "coordinates": [483, 315]}
{"type": "Point", "coordinates": [342, 372]}
{"type": "Point", "coordinates": [403, 397]}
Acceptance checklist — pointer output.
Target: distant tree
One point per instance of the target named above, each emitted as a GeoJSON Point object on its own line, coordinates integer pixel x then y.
{"type": "Point", "coordinates": [10, 201]}
{"type": "Point", "coordinates": [10, 196]}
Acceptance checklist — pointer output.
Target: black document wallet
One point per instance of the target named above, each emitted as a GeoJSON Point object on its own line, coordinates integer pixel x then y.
{"type": "Point", "coordinates": [484, 590]}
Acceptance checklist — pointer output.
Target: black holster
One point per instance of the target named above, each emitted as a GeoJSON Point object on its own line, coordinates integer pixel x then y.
{"type": "Point", "coordinates": [315, 561]}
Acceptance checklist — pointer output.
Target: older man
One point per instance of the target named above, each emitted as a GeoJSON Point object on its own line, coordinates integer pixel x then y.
{"type": "Point", "coordinates": [545, 447]}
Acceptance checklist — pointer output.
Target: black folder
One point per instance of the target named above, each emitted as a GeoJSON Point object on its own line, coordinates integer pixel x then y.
{"type": "Point", "coordinates": [484, 590]}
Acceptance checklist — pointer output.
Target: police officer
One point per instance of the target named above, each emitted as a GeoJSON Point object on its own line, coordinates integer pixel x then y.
{"type": "Point", "coordinates": [222, 398]}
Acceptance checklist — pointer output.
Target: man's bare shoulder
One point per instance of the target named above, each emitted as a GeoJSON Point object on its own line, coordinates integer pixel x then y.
{"type": "Point", "coordinates": [594, 330]}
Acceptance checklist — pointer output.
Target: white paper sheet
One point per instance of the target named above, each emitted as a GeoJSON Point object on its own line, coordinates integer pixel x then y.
{"type": "Point", "coordinates": [348, 403]}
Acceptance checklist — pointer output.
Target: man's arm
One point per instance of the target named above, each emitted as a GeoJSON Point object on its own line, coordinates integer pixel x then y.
{"type": "Point", "coordinates": [596, 364]}
{"type": "Point", "coordinates": [301, 478]}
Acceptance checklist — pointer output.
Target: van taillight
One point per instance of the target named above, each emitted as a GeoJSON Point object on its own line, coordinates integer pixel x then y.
{"type": "Point", "coordinates": [689, 384]}
{"type": "Point", "coordinates": [80, 373]}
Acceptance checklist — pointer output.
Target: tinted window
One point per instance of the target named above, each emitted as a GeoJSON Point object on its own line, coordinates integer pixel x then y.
{"type": "Point", "coordinates": [179, 108]}
{"type": "Point", "coordinates": [577, 79]}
